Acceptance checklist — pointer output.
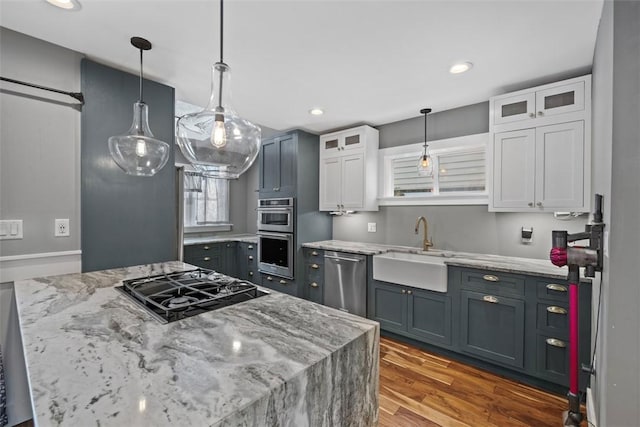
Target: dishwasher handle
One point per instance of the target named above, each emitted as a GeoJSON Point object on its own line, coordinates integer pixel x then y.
{"type": "Point", "coordinates": [343, 259]}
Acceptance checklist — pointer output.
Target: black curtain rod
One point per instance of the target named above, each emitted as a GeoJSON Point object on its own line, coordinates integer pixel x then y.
{"type": "Point", "coordinates": [76, 95]}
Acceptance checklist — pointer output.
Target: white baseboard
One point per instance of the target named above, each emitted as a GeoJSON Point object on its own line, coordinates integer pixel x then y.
{"type": "Point", "coordinates": [20, 267]}
{"type": "Point", "coordinates": [591, 410]}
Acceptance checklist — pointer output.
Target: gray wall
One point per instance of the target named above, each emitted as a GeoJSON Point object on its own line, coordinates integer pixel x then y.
{"type": "Point", "coordinates": [40, 149]}
{"type": "Point", "coordinates": [459, 228]}
{"type": "Point", "coordinates": [617, 129]}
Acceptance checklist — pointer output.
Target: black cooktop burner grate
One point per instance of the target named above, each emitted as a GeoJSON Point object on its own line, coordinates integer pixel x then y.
{"type": "Point", "coordinates": [177, 295]}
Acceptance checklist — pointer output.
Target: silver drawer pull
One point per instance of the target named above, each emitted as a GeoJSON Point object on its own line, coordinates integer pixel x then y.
{"type": "Point", "coordinates": [409, 292]}
{"type": "Point", "coordinates": [556, 310]}
{"type": "Point", "coordinates": [251, 273]}
{"type": "Point", "coordinates": [269, 278]}
{"type": "Point", "coordinates": [315, 266]}
{"type": "Point", "coordinates": [556, 343]}
{"type": "Point", "coordinates": [283, 282]}
{"type": "Point", "coordinates": [314, 285]}
{"type": "Point", "coordinates": [206, 248]}
{"type": "Point", "coordinates": [557, 288]}
{"type": "Point", "coordinates": [314, 253]}
{"type": "Point", "coordinates": [404, 291]}
{"type": "Point", "coordinates": [250, 247]}
{"type": "Point", "coordinates": [490, 278]}
{"type": "Point", "coordinates": [206, 258]}
{"type": "Point", "coordinates": [250, 257]}
{"type": "Point", "coordinates": [490, 298]}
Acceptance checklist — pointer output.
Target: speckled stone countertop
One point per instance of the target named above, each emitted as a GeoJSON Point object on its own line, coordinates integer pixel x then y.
{"type": "Point", "coordinates": [537, 267]}
{"type": "Point", "coordinates": [94, 357]}
{"type": "Point", "coordinates": [248, 238]}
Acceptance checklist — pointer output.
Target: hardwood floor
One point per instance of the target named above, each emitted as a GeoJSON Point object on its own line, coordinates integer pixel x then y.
{"type": "Point", "coordinates": [421, 389]}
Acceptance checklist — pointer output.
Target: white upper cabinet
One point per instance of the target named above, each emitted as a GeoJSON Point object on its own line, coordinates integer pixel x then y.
{"type": "Point", "coordinates": [348, 170]}
{"type": "Point", "coordinates": [540, 150]}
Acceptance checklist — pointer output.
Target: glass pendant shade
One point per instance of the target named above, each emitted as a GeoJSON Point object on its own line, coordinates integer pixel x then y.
{"type": "Point", "coordinates": [137, 152]}
{"type": "Point", "coordinates": [425, 165]}
{"type": "Point", "coordinates": [216, 141]}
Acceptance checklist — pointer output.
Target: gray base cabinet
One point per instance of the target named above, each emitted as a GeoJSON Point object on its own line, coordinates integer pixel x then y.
{"type": "Point", "coordinates": [247, 260]}
{"type": "Point", "coordinates": [416, 313]}
{"type": "Point", "coordinates": [514, 321]}
{"type": "Point", "coordinates": [280, 284]}
{"type": "Point", "coordinates": [220, 257]}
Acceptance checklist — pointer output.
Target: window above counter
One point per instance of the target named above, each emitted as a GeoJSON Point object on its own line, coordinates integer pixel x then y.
{"type": "Point", "coordinates": [459, 176]}
{"type": "Point", "coordinates": [206, 203]}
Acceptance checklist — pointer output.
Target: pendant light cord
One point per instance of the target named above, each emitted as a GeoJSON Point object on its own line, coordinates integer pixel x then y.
{"type": "Point", "coordinates": [141, 101]}
{"type": "Point", "coordinates": [425, 133]}
{"type": "Point", "coordinates": [221, 51]}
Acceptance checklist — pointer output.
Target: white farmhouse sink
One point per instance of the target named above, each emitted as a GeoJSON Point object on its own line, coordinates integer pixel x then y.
{"type": "Point", "coordinates": [418, 270]}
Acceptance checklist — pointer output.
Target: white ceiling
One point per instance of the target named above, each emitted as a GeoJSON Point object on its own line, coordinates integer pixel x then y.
{"type": "Point", "coordinates": [362, 61]}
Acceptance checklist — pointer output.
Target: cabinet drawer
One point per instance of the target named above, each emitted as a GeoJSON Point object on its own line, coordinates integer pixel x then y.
{"type": "Point", "coordinates": [552, 358]}
{"type": "Point", "coordinates": [553, 290]}
{"type": "Point", "coordinates": [279, 284]}
{"type": "Point", "coordinates": [495, 283]}
{"type": "Point", "coordinates": [492, 327]}
{"type": "Point", "coordinates": [202, 250]}
{"type": "Point", "coordinates": [553, 319]}
{"type": "Point", "coordinates": [313, 256]}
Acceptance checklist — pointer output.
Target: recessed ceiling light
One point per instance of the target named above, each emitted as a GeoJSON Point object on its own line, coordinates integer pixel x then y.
{"type": "Point", "coordinates": [460, 67]}
{"type": "Point", "coordinates": [316, 111]}
{"type": "Point", "coordinates": [65, 4]}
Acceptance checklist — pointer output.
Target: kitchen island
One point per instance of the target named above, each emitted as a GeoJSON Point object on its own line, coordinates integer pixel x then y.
{"type": "Point", "coordinates": [94, 357]}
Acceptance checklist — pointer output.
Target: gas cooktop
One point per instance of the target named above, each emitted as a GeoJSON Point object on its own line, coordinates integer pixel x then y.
{"type": "Point", "coordinates": [181, 294]}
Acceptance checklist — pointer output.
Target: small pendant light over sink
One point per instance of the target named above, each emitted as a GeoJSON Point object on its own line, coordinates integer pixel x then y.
{"type": "Point", "coordinates": [137, 152]}
{"type": "Point", "coordinates": [425, 164]}
{"type": "Point", "coordinates": [216, 141]}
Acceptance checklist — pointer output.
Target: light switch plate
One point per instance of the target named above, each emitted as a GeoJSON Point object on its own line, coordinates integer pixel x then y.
{"type": "Point", "coordinates": [371, 227]}
{"type": "Point", "coordinates": [11, 229]}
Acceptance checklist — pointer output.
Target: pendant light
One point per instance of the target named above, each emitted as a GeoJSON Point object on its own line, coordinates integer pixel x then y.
{"type": "Point", "coordinates": [425, 163]}
{"type": "Point", "coordinates": [216, 141]}
{"type": "Point", "coordinates": [137, 152]}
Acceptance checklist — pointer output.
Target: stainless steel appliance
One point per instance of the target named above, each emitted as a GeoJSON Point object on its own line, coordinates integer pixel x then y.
{"type": "Point", "coordinates": [275, 253]}
{"type": "Point", "coordinates": [173, 296]}
{"type": "Point", "coordinates": [345, 282]}
{"type": "Point", "coordinates": [275, 215]}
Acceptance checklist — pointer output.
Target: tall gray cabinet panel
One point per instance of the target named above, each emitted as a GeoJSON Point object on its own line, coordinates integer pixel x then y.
{"type": "Point", "coordinates": [126, 220]}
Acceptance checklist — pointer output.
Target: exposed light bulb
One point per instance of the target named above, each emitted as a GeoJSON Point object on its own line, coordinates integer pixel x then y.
{"type": "Point", "coordinates": [141, 148]}
{"type": "Point", "coordinates": [219, 135]}
{"type": "Point", "coordinates": [426, 161]}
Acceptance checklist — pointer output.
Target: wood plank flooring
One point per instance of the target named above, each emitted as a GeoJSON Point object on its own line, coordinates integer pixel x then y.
{"type": "Point", "coordinates": [421, 389]}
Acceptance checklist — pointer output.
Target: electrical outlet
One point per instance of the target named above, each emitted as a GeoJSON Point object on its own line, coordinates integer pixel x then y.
{"type": "Point", "coordinates": [61, 228]}
{"type": "Point", "coordinates": [371, 227]}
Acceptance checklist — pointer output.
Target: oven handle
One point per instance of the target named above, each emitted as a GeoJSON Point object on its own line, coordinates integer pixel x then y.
{"type": "Point", "coordinates": [281, 236]}
{"type": "Point", "coordinates": [286, 210]}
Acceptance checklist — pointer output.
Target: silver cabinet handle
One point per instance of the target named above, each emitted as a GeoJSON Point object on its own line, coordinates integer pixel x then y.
{"type": "Point", "coordinates": [283, 282]}
{"type": "Point", "coordinates": [228, 245]}
{"type": "Point", "coordinates": [403, 291]}
{"type": "Point", "coordinates": [314, 285]}
{"type": "Point", "coordinates": [315, 266]}
{"type": "Point", "coordinates": [557, 288]}
{"type": "Point", "coordinates": [206, 258]}
{"type": "Point", "coordinates": [556, 310]}
{"type": "Point", "coordinates": [409, 292]}
{"type": "Point", "coordinates": [532, 115]}
{"type": "Point", "coordinates": [342, 258]}
{"type": "Point", "coordinates": [530, 204]}
{"type": "Point", "coordinates": [314, 253]}
{"type": "Point", "coordinates": [251, 273]}
{"type": "Point", "coordinates": [490, 278]}
{"type": "Point", "coordinates": [490, 298]}
{"type": "Point", "coordinates": [556, 342]}
{"type": "Point", "coordinates": [250, 257]}
{"type": "Point", "coordinates": [269, 278]}
{"type": "Point", "coordinates": [206, 248]}
{"type": "Point", "coordinates": [250, 247]}
{"type": "Point", "coordinates": [539, 204]}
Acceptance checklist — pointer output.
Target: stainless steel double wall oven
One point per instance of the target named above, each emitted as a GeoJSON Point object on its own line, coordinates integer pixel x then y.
{"type": "Point", "coordinates": [276, 236]}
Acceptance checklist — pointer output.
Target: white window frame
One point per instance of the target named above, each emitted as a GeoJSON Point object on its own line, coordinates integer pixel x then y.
{"type": "Point", "coordinates": [460, 144]}
{"type": "Point", "coordinates": [195, 229]}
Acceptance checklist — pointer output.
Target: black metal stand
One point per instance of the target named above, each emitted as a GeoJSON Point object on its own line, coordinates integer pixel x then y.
{"type": "Point", "coordinates": [75, 95]}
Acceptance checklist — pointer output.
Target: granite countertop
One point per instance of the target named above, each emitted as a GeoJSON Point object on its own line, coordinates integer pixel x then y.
{"type": "Point", "coordinates": [247, 238]}
{"type": "Point", "coordinates": [538, 267]}
{"type": "Point", "coordinates": [95, 357]}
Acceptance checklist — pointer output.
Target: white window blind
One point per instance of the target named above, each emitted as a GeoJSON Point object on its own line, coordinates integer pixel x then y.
{"type": "Point", "coordinates": [461, 171]}
{"type": "Point", "coordinates": [406, 181]}
{"type": "Point", "coordinates": [206, 200]}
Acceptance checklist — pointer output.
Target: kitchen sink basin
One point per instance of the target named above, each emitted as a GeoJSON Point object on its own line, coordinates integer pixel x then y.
{"type": "Point", "coordinates": [423, 270]}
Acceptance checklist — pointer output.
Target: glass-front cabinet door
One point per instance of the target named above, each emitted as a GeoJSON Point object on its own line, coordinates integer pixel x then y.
{"type": "Point", "coordinates": [560, 99]}
{"type": "Point", "coordinates": [514, 108]}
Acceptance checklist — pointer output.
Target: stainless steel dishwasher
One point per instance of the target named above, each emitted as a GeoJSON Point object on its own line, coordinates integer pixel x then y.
{"type": "Point", "coordinates": [345, 282]}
